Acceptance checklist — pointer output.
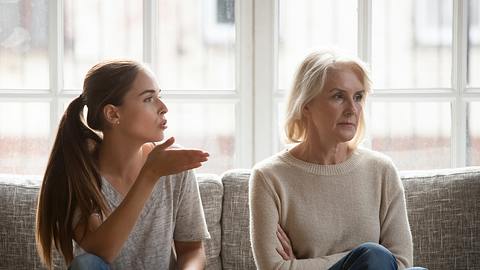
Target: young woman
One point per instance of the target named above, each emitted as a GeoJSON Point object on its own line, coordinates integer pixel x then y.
{"type": "Point", "coordinates": [326, 203]}
{"type": "Point", "coordinates": [125, 202]}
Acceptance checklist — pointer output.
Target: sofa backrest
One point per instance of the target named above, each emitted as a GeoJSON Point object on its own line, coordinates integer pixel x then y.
{"type": "Point", "coordinates": [443, 208]}
{"type": "Point", "coordinates": [18, 202]}
{"type": "Point", "coordinates": [236, 246]}
{"type": "Point", "coordinates": [211, 191]}
{"type": "Point", "coordinates": [444, 214]}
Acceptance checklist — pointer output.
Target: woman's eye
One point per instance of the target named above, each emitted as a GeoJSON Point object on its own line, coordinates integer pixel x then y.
{"type": "Point", "coordinates": [149, 99]}
{"type": "Point", "coordinates": [358, 98]}
{"type": "Point", "coordinates": [338, 96]}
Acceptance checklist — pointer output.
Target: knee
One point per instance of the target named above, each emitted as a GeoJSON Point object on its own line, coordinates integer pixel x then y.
{"type": "Point", "coordinates": [88, 261]}
{"type": "Point", "coordinates": [376, 254]}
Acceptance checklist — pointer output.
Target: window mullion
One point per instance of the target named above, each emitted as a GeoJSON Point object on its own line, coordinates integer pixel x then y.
{"type": "Point", "coordinates": [244, 83]}
{"type": "Point", "coordinates": [55, 54]}
{"type": "Point", "coordinates": [459, 80]}
{"type": "Point", "coordinates": [364, 42]}
{"type": "Point", "coordinates": [150, 36]}
{"type": "Point", "coordinates": [365, 30]}
{"type": "Point", "coordinates": [265, 76]}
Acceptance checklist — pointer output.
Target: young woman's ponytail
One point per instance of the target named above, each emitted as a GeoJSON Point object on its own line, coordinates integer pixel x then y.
{"type": "Point", "coordinates": [71, 182]}
{"type": "Point", "coordinates": [71, 189]}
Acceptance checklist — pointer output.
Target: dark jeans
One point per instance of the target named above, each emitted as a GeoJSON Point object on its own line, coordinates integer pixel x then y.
{"type": "Point", "coordinates": [366, 256]}
{"type": "Point", "coordinates": [370, 256]}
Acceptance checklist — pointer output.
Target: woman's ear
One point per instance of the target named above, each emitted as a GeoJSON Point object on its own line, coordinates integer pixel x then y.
{"type": "Point", "coordinates": [111, 115]}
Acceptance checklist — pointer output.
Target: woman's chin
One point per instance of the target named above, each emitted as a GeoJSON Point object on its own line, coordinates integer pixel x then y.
{"type": "Point", "coordinates": [346, 137]}
{"type": "Point", "coordinates": [157, 138]}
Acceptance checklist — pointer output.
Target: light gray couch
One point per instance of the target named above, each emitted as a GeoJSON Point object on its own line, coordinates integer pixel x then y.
{"type": "Point", "coordinates": [443, 207]}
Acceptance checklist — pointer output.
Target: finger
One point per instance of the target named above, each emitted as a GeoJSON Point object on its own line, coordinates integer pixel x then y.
{"type": "Point", "coordinates": [200, 151]}
{"type": "Point", "coordinates": [282, 254]}
{"type": "Point", "coordinates": [195, 152]}
{"type": "Point", "coordinates": [194, 157]}
{"type": "Point", "coordinates": [282, 232]}
{"type": "Point", "coordinates": [283, 242]}
{"type": "Point", "coordinates": [166, 143]}
{"type": "Point", "coordinates": [188, 154]}
{"type": "Point", "coordinates": [192, 166]}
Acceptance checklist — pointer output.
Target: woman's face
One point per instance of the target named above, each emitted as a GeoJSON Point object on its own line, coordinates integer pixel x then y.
{"type": "Point", "coordinates": [142, 113]}
{"type": "Point", "coordinates": [333, 115]}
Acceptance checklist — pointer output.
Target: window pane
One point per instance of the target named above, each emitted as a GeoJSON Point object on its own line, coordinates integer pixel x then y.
{"type": "Point", "coordinates": [416, 135]}
{"type": "Point", "coordinates": [307, 25]}
{"type": "Point", "coordinates": [24, 44]}
{"type": "Point", "coordinates": [24, 137]}
{"type": "Point", "coordinates": [473, 134]}
{"type": "Point", "coordinates": [196, 44]}
{"type": "Point", "coordinates": [412, 43]}
{"type": "Point", "coordinates": [97, 30]}
{"type": "Point", "coordinates": [207, 126]}
{"type": "Point", "coordinates": [474, 44]}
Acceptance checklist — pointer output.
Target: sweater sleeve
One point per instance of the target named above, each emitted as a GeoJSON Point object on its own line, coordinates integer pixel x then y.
{"type": "Point", "coordinates": [265, 206]}
{"type": "Point", "coordinates": [395, 232]}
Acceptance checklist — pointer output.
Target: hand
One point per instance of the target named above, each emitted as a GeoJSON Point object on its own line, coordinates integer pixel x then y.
{"type": "Point", "coordinates": [163, 161]}
{"type": "Point", "coordinates": [286, 251]}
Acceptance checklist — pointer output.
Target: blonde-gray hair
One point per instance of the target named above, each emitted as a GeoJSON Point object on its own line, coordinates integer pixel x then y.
{"type": "Point", "coordinates": [310, 80]}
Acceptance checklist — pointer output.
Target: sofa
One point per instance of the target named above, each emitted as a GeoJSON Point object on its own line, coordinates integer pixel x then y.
{"type": "Point", "coordinates": [443, 209]}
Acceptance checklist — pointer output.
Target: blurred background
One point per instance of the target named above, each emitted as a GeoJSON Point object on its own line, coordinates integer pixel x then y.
{"type": "Point", "coordinates": [424, 56]}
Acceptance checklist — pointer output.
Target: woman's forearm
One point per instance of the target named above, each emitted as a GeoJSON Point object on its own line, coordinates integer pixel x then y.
{"type": "Point", "coordinates": [190, 255]}
{"type": "Point", "coordinates": [108, 238]}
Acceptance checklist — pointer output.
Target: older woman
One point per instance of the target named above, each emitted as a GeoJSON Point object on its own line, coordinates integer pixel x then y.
{"type": "Point", "coordinates": [326, 203]}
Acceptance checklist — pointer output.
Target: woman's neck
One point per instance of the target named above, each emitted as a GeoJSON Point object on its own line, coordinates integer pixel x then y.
{"type": "Point", "coordinates": [322, 154]}
{"type": "Point", "coordinates": [119, 161]}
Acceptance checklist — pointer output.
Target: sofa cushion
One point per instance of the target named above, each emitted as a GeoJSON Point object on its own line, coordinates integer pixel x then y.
{"type": "Point", "coordinates": [211, 192]}
{"type": "Point", "coordinates": [236, 247]}
{"type": "Point", "coordinates": [18, 204]}
{"type": "Point", "coordinates": [444, 214]}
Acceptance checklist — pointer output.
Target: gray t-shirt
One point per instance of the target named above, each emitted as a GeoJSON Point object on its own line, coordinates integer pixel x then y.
{"type": "Point", "coordinates": [173, 212]}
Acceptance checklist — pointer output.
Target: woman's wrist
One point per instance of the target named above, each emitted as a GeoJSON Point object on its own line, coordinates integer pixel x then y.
{"type": "Point", "coordinates": [147, 175]}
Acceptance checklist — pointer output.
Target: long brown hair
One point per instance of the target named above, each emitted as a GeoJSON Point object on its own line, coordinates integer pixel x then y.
{"type": "Point", "coordinates": [72, 183]}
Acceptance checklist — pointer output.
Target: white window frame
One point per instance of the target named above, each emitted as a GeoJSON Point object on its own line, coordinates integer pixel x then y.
{"type": "Point", "coordinates": [241, 96]}
{"type": "Point", "coordinates": [256, 91]}
{"type": "Point", "coordinates": [266, 70]}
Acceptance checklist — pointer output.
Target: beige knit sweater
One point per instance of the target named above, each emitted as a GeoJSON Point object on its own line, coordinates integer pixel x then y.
{"type": "Point", "coordinates": [327, 210]}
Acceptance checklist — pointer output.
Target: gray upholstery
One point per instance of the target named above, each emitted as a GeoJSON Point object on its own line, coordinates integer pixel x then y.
{"type": "Point", "coordinates": [443, 208]}
{"type": "Point", "coordinates": [236, 251]}
{"type": "Point", "coordinates": [444, 214]}
{"type": "Point", "coordinates": [211, 190]}
{"type": "Point", "coordinates": [18, 203]}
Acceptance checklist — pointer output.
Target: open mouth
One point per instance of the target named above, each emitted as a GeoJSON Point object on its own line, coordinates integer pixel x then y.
{"type": "Point", "coordinates": [163, 124]}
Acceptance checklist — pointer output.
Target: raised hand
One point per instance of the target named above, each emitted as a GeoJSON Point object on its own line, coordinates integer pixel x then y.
{"type": "Point", "coordinates": [164, 161]}
{"type": "Point", "coordinates": [286, 251]}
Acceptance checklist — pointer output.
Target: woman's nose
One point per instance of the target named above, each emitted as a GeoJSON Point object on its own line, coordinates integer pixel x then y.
{"type": "Point", "coordinates": [162, 108]}
{"type": "Point", "coordinates": [351, 107]}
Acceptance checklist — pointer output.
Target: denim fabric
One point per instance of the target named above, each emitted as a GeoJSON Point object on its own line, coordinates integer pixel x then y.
{"type": "Point", "coordinates": [88, 261]}
{"type": "Point", "coordinates": [370, 256]}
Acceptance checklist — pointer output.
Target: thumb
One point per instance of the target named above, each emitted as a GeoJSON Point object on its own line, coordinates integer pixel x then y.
{"type": "Point", "coordinates": [166, 143]}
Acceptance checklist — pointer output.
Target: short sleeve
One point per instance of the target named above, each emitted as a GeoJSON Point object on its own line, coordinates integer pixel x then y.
{"type": "Point", "coordinates": [190, 224]}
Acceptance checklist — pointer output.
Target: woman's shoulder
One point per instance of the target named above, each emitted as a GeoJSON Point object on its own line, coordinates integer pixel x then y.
{"type": "Point", "coordinates": [375, 157]}
{"type": "Point", "coordinates": [271, 163]}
